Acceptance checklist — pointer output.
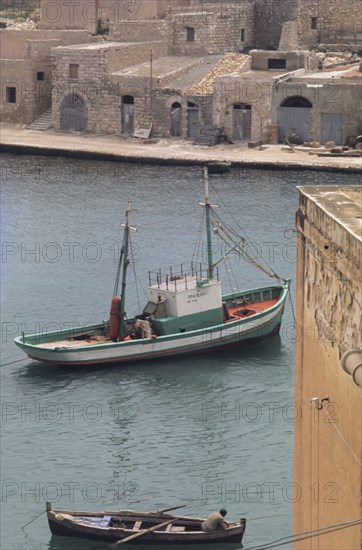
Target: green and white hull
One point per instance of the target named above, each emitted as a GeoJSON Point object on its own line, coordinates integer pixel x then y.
{"type": "Point", "coordinates": [91, 345]}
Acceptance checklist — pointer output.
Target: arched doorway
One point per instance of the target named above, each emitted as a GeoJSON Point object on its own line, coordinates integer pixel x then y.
{"type": "Point", "coordinates": [73, 114]}
{"type": "Point", "coordinates": [293, 118]}
{"type": "Point", "coordinates": [193, 120]}
{"type": "Point", "coordinates": [241, 121]}
{"type": "Point", "coordinates": [176, 120]}
{"type": "Point", "coordinates": [128, 114]}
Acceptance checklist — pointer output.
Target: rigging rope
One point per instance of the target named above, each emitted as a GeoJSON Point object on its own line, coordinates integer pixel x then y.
{"type": "Point", "coordinates": [134, 272]}
{"type": "Point", "coordinates": [341, 435]}
{"type": "Point", "coordinates": [309, 534]}
{"type": "Point", "coordinates": [241, 251]}
{"type": "Point", "coordinates": [196, 251]}
{"type": "Point", "coordinates": [246, 237]}
{"type": "Point", "coordinates": [31, 521]}
{"type": "Point", "coordinates": [292, 306]}
{"type": "Point", "coordinates": [246, 256]}
{"type": "Point", "coordinates": [12, 362]}
{"type": "Point", "coordinates": [160, 222]}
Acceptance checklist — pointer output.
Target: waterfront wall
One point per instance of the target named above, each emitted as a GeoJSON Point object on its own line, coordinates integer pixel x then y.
{"type": "Point", "coordinates": [327, 449]}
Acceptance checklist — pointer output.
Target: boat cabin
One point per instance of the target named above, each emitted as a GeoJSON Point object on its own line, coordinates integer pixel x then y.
{"type": "Point", "coordinates": [182, 303]}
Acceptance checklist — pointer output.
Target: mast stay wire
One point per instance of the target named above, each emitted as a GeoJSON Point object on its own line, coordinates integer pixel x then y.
{"type": "Point", "coordinates": [243, 233]}
{"type": "Point", "coordinates": [196, 252]}
{"type": "Point", "coordinates": [137, 282]}
{"type": "Point", "coordinates": [241, 251]}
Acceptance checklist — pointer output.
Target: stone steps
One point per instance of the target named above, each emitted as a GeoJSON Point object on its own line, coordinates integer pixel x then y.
{"type": "Point", "coordinates": [42, 123]}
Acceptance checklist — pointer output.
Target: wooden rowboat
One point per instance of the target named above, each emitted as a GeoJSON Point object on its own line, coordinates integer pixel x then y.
{"type": "Point", "coordinates": [139, 527]}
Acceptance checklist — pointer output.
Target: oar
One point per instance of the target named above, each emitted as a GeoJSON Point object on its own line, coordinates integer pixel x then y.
{"type": "Point", "coordinates": [170, 509]}
{"type": "Point", "coordinates": [144, 531]}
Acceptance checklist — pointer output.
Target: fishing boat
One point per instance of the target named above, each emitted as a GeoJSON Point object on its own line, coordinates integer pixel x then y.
{"type": "Point", "coordinates": [127, 526]}
{"type": "Point", "coordinates": [185, 313]}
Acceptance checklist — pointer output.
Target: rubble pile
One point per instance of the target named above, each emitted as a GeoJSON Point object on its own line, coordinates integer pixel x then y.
{"type": "Point", "coordinates": [328, 59]}
{"type": "Point", "coordinates": [18, 25]}
{"type": "Point", "coordinates": [231, 63]}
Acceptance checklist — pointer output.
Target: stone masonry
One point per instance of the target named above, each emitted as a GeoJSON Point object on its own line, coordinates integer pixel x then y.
{"type": "Point", "coordinates": [93, 84]}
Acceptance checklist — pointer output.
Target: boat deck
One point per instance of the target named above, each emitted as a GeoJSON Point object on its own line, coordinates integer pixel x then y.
{"type": "Point", "coordinates": [240, 311]}
{"type": "Point", "coordinates": [235, 313]}
{"type": "Point", "coordinates": [91, 341]}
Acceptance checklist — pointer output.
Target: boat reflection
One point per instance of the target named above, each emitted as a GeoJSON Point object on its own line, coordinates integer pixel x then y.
{"type": "Point", "coordinates": [65, 543]}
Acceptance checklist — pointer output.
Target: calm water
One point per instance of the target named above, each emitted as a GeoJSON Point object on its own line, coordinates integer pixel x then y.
{"type": "Point", "coordinates": [209, 432]}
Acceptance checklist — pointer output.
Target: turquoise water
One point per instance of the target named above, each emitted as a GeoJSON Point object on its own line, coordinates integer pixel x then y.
{"type": "Point", "coordinates": [210, 431]}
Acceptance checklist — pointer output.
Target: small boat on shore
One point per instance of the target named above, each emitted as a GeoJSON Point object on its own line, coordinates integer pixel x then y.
{"type": "Point", "coordinates": [219, 167]}
{"type": "Point", "coordinates": [127, 526]}
{"type": "Point", "coordinates": [186, 312]}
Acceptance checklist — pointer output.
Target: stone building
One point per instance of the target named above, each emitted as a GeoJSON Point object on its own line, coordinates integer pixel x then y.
{"type": "Point", "coordinates": [328, 370]}
{"type": "Point", "coordinates": [86, 97]}
{"type": "Point", "coordinates": [172, 111]}
{"type": "Point", "coordinates": [211, 28]}
{"type": "Point", "coordinates": [319, 106]}
{"type": "Point", "coordinates": [123, 34]}
{"type": "Point", "coordinates": [244, 103]}
{"type": "Point", "coordinates": [306, 23]}
{"type": "Point", "coordinates": [26, 70]}
{"type": "Point", "coordinates": [279, 96]}
{"type": "Point", "coordinates": [260, 23]}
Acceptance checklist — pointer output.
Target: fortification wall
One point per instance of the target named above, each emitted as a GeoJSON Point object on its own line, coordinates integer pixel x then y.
{"type": "Point", "coordinates": [330, 22]}
{"type": "Point", "coordinates": [327, 472]}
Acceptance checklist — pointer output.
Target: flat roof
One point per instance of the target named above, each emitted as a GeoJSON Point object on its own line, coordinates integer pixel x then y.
{"type": "Point", "coordinates": [342, 71]}
{"type": "Point", "coordinates": [100, 45]}
{"type": "Point", "coordinates": [161, 67]}
{"type": "Point", "coordinates": [342, 203]}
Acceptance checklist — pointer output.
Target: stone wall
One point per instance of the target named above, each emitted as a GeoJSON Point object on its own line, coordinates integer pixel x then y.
{"type": "Point", "coordinates": [100, 89]}
{"type": "Point", "coordinates": [88, 14]}
{"type": "Point", "coordinates": [14, 43]}
{"type": "Point", "coordinates": [254, 92]}
{"type": "Point", "coordinates": [64, 14]}
{"type": "Point", "coordinates": [327, 449]}
{"type": "Point", "coordinates": [32, 97]}
{"type": "Point", "coordinates": [269, 16]}
{"type": "Point", "coordinates": [342, 96]}
{"type": "Point", "coordinates": [307, 23]}
{"type": "Point", "coordinates": [218, 28]}
{"type": "Point", "coordinates": [335, 22]}
{"type": "Point", "coordinates": [137, 31]}
{"type": "Point", "coordinates": [293, 60]}
{"type": "Point", "coordinates": [26, 54]}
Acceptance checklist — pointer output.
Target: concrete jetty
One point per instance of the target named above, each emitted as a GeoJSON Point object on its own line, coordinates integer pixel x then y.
{"type": "Point", "coordinates": [21, 140]}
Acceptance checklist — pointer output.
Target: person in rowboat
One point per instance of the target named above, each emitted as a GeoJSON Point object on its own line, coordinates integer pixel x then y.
{"type": "Point", "coordinates": [215, 521]}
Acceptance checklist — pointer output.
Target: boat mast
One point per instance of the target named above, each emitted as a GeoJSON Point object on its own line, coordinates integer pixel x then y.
{"type": "Point", "coordinates": [124, 273]}
{"type": "Point", "coordinates": [208, 224]}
